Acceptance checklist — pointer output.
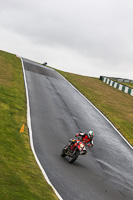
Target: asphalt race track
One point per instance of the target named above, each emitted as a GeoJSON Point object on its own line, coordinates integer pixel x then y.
{"type": "Point", "coordinates": [58, 112]}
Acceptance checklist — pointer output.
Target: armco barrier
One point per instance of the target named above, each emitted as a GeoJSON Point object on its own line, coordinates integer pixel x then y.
{"type": "Point", "coordinates": [116, 85]}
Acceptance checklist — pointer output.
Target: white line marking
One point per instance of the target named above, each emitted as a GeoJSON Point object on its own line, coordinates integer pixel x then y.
{"type": "Point", "coordinates": [98, 111]}
{"type": "Point", "coordinates": [31, 138]}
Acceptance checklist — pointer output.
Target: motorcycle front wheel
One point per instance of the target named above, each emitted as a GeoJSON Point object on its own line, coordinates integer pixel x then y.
{"type": "Point", "coordinates": [63, 152]}
{"type": "Point", "coordinates": [75, 156]}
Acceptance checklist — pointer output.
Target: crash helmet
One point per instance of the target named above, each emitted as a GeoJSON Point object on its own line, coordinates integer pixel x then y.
{"type": "Point", "coordinates": [91, 134]}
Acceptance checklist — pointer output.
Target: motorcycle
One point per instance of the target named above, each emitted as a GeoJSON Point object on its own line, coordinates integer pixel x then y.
{"type": "Point", "coordinates": [73, 150]}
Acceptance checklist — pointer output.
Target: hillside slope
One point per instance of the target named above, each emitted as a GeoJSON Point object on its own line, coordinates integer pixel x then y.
{"type": "Point", "coordinates": [20, 176]}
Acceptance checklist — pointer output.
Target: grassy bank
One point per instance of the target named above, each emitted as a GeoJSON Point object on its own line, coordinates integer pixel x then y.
{"type": "Point", "coordinates": [117, 106]}
{"type": "Point", "coordinates": [20, 177]}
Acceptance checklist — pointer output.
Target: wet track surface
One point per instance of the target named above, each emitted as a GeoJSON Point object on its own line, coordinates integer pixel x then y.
{"type": "Point", "coordinates": [58, 112]}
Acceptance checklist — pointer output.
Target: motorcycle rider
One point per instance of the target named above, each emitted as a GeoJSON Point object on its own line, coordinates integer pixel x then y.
{"type": "Point", "coordinates": [87, 138]}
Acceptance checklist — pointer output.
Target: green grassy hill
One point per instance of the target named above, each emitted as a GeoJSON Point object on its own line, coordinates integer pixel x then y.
{"type": "Point", "coordinates": [20, 176]}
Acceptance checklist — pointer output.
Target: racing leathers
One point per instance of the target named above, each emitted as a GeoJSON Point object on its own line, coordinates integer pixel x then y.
{"type": "Point", "coordinates": [85, 138]}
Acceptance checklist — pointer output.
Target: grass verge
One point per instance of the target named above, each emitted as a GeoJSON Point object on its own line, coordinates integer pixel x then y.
{"type": "Point", "coordinates": [117, 106]}
{"type": "Point", "coordinates": [20, 176]}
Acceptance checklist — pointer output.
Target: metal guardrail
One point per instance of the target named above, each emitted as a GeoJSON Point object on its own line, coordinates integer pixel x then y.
{"type": "Point", "coordinates": [110, 81]}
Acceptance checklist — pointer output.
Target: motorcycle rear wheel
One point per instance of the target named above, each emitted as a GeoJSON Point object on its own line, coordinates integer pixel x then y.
{"type": "Point", "coordinates": [72, 159]}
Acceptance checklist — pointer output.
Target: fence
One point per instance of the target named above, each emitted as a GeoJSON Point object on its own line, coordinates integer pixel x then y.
{"type": "Point", "coordinates": [116, 85]}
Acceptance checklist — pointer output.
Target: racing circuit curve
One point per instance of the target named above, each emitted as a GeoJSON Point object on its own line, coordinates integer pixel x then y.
{"type": "Point", "coordinates": [57, 113]}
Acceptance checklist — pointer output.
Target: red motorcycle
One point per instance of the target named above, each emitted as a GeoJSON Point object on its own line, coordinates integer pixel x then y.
{"type": "Point", "coordinates": [73, 150]}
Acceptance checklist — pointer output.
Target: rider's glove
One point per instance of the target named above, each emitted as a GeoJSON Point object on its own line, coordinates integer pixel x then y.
{"type": "Point", "coordinates": [90, 145]}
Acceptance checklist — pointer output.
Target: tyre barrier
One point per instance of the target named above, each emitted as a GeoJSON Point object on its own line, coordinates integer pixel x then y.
{"type": "Point", "coordinates": [116, 85]}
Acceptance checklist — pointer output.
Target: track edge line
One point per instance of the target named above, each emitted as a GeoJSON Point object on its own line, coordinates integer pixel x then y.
{"type": "Point", "coordinates": [31, 138]}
